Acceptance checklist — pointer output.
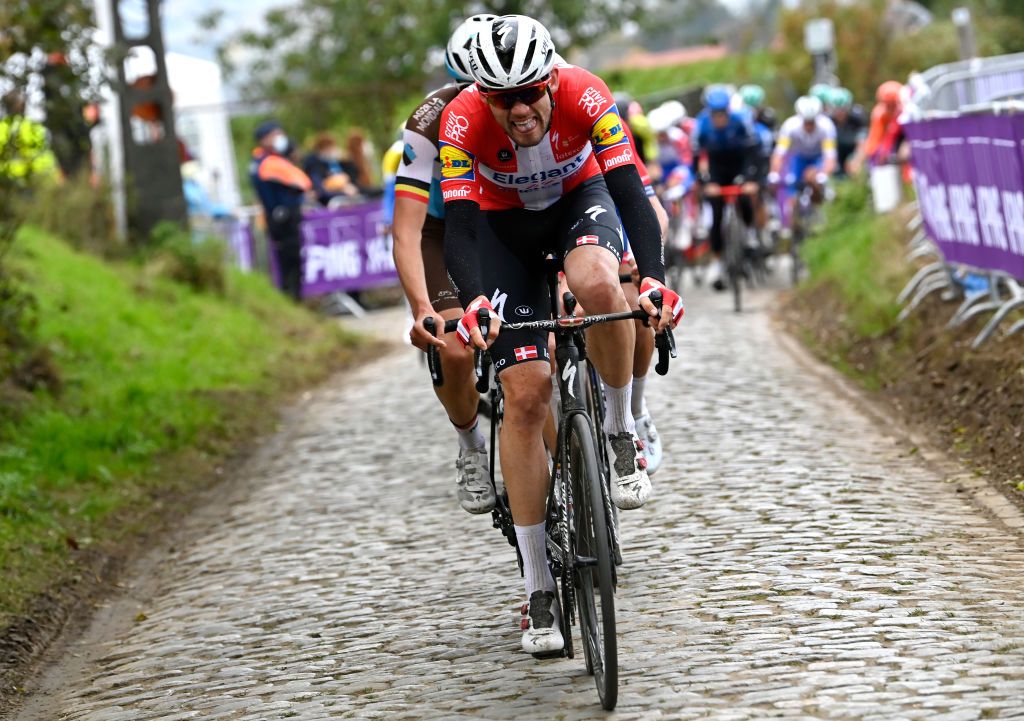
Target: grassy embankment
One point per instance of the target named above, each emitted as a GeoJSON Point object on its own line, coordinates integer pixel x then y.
{"type": "Point", "coordinates": [856, 269]}
{"type": "Point", "coordinates": [159, 385]}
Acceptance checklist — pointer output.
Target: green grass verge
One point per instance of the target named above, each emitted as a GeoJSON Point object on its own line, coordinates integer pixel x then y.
{"type": "Point", "coordinates": [149, 368]}
{"type": "Point", "coordinates": [860, 255]}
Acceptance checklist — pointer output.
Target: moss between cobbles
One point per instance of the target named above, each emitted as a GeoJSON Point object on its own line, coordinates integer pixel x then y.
{"type": "Point", "coordinates": [160, 385]}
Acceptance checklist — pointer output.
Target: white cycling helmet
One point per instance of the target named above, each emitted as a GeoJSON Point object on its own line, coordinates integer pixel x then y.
{"type": "Point", "coordinates": [808, 107]}
{"type": "Point", "coordinates": [675, 111]}
{"type": "Point", "coordinates": [514, 50]}
{"type": "Point", "coordinates": [456, 56]}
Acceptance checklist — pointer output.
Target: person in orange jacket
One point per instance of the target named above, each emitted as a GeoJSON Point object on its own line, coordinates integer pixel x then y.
{"type": "Point", "coordinates": [885, 135]}
{"type": "Point", "coordinates": [282, 187]}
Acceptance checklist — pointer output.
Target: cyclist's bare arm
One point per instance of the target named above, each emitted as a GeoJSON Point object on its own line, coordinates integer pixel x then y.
{"type": "Point", "coordinates": [407, 230]}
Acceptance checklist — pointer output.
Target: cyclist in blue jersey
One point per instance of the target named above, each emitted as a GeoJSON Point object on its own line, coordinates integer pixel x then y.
{"type": "Point", "coordinates": [726, 146]}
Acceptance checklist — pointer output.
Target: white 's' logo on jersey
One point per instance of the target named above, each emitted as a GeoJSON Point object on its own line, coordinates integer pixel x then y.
{"type": "Point", "coordinates": [595, 211]}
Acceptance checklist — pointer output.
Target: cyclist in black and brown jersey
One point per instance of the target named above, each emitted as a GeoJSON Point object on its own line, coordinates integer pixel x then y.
{"type": "Point", "coordinates": [419, 257]}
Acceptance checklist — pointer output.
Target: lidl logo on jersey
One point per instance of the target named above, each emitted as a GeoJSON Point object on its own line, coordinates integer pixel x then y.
{"type": "Point", "coordinates": [608, 130]}
{"type": "Point", "coordinates": [456, 163]}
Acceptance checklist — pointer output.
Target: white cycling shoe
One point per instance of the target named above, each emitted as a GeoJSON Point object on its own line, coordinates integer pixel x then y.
{"type": "Point", "coordinates": [647, 433]}
{"type": "Point", "coordinates": [475, 490]}
{"type": "Point", "coordinates": [631, 486]}
{"type": "Point", "coordinates": [541, 624]}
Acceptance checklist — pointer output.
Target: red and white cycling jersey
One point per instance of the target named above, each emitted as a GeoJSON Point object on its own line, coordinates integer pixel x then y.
{"type": "Point", "coordinates": [479, 162]}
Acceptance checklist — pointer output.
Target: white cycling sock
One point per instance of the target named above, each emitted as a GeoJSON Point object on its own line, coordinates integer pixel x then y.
{"type": "Point", "coordinates": [617, 416]}
{"type": "Point", "coordinates": [470, 436]}
{"type": "Point", "coordinates": [532, 541]}
{"type": "Point", "coordinates": [638, 404]}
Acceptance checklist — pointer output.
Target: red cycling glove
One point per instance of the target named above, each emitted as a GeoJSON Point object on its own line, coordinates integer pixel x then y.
{"type": "Point", "coordinates": [670, 299]}
{"type": "Point", "coordinates": [469, 319]}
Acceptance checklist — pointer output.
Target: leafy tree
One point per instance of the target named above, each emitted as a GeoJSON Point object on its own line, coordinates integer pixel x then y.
{"type": "Point", "coordinates": [870, 51]}
{"type": "Point", "coordinates": [353, 63]}
{"type": "Point", "coordinates": [30, 31]}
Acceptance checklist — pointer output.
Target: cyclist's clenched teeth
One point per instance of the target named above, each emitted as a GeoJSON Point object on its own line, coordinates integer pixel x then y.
{"type": "Point", "coordinates": [525, 126]}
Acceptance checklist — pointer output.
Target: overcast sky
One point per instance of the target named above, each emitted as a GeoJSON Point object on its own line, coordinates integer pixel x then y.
{"type": "Point", "coordinates": [181, 34]}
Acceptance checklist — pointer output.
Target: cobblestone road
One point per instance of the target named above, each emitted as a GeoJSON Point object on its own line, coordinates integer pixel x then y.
{"type": "Point", "coordinates": [796, 562]}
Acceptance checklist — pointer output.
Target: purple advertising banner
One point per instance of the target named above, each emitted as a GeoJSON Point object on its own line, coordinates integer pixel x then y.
{"type": "Point", "coordinates": [343, 249]}
{"type": "Point", "coordinates": [969, 173]}
{"type": "Point", "coordinates": [346, 249]}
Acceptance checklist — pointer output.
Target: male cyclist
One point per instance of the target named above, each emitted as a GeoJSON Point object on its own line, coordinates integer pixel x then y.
{"type": "Point", "coordinates": [419, 257]}
{"type": "Point", "coordinates": [725, 146]}
{"type": "Point", "coordinates": [851, 126]}
{"type": "Point", "coordinates": [808, 141]}
{"type": "Point", "coordinates": [534, 160]}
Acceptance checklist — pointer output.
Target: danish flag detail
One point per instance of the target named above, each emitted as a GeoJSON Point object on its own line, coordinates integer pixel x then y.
{"type": "Point", "coordinates": [526, 352]}
{"type": "Point", "coordinates": [587, 240]}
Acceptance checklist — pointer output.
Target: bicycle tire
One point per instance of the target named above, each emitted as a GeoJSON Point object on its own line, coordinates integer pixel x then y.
{"type": "Point", "coordinates": [596, 611]}
{"type": "Point", "coordinates": [596, 411]}
{"type": "Point", "coordinates": [794, 253]}
{"type": "Point", "coordinates": [733, 236]}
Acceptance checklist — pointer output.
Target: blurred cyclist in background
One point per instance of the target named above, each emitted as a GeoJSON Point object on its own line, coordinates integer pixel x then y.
{"type": "Point", "coordinates": [885, 135]}
{"type": "Point", "coordinates": [808, 142]}
{"type": "Point", "coordinates": [851, 126]}
{"type": "Point", "coordinates": [726, 147]}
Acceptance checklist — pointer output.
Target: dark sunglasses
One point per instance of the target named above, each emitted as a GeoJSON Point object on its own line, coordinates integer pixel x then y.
{"type": "Point", "coordinates": [506, 99]}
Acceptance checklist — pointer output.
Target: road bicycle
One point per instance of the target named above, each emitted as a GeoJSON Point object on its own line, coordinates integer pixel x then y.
{"type": "Point", "coordinates": [581, 535]}
{"type": "Point", "coordinates": [734, 242]}
{"type": "Point", "coordinates": [804, 214]}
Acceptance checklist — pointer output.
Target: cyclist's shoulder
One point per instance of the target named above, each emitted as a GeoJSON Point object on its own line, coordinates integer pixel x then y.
{"type": "Point", "coordinates": [791, 125]}
{"type": "Point", "coordinates": [462, 119]}
{"type": "Point", "coordinates": [427, 114]}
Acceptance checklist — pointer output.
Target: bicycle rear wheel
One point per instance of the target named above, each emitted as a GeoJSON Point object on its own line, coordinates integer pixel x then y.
{"type": "Point", "coordinates": [593, 563]}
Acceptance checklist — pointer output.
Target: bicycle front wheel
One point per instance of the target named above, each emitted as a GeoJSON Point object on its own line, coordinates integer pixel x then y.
{"type": "Point", "coordinates": [734, 235]}
{"type": "Point", "coordinates": [593, 563]}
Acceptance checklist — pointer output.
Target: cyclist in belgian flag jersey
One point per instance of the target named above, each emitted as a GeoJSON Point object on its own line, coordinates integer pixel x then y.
{"type": "Point", "coordinates": [418, 230]}
{"type": "Point", "coordinates": [534, 160]}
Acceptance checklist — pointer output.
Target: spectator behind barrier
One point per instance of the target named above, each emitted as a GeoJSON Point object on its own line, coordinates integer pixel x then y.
{"type": "Point", "coordinates": [281, 186]}
{"type": "Point", "coordinates": [331, 175]}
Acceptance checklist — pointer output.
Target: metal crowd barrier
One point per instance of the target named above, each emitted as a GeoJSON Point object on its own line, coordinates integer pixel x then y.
{"type": "Point", "coordinates": [980, 287]}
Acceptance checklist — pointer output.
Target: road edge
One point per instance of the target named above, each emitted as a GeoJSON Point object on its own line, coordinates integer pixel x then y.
{"type": "Point", "coordinates": [978, 488]}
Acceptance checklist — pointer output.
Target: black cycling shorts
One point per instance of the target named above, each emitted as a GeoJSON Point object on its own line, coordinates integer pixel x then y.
{"type": "Point", "coordinates": [513, 245]}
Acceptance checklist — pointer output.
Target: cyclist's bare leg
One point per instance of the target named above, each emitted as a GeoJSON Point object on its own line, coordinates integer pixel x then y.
{"type": "Point", "coordinates": [811, 179]}
{"type": "Point", "coordinates": [592, 273]}
{"type": "Point", "coordinates": [458, 395]}
{"type": "Point", "coordinates": [643, 349]}
{"type": "Point", "coordinates": [524, 462]}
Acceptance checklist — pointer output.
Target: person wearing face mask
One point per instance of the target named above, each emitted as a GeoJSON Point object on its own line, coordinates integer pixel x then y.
{"type": "Point", "coordinates": [327, 169]}
{"type": "Point", "coordinates": [281, 186]}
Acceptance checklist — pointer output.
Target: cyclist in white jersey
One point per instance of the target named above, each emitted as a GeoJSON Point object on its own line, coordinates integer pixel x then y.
{"type": "Point", "coordinates": [808, 140]}
{"type": "Point", "coordinates": [419, 258]}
